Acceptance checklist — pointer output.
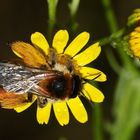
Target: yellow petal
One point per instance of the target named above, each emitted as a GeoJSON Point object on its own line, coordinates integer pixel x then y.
{"type": "Point", "coordinates": [77, 44]}
{"type": "Point", "coordinates": [17, 54]}
{"type": "Point", "coordinates": [91, 73]}
{"type": "Point", "coordinates": [135, 41]}
{"type": "Point", "coordinates": [43, 114]}
{"type": "Point", "coordinates": [77, 109]}
{"type": "Point", "coordinates": [61, 112]}
{"type": "Point", "coordinates": [40, 41]}
{"type": "Point", "coordinates": [87, 56]}
{"type": "Point", "coordinates": [60, 40]}
{"type": "Point", "coordinates": [134, 47]}
{"type": "Point", "coordinates": [25, 106]}
{"type": "Point", "coordinates": [31, 56]}
{"type": "Point", "coordinates": [93, 93]}
{"type": "Point", "coordinates": [135, 34]}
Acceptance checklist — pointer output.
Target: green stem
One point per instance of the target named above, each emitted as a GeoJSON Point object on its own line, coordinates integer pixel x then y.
{"type": "Point", "coordinates": [113, 62]}
{"type": "Point", "coordinates": [113, 27]}
{"type": "Point", "coordinates": [73, 7]}
{"type": "Point", "coordinates": [112, 37]}
{"type": "Point", "coordinates": [97, 123]}
{"type": "Point", "coordinates": [52, 5]}
{"type": "Point", "coordinates": [112, 22]}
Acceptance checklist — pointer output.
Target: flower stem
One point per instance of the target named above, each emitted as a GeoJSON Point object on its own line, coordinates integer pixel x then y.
{"type": "Point", "coordinates": [52, 5]}
{"type": "Point", "coordinates": [125, 89]}
{"type": "Point", "coordinates": [97, 123]}
{"type": "Point", "coordinates": [73, 7]}
{"type": "Point", "coordinates": [112, 37]}
{"type": "Point", "coordinates": [112, 61]}
{"type": "Point", "coordinates": [113, 27]}
{"type": "Point", "coordinates": [112, 22]}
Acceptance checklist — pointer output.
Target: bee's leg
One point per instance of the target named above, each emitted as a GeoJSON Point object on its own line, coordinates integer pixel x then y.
{"type": "Point", "coordinates": [29, 97]}
{"type": "Point", "coordinates": [52, 57]}
{"type": "Point", "coordinates": [70, 65]}
{"type": "Point", "coordinates": [42, 101]}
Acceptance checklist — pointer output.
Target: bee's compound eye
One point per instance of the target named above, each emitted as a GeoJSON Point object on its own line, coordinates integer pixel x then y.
{"type": "Point", "coordinates": [58, 87]}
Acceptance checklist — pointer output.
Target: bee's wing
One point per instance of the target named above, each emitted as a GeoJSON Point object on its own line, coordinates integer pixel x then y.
{"type": "Point", "coordinates": [29, 85]}
{"type": "Point", "coordinates": [11, 74]}
{"type": "Point", "coordinates": [17, 78]}
{"type": "Point", "coordinates": [12, 100]}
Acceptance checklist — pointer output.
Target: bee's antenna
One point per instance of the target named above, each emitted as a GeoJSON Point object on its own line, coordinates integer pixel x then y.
{"type": "Point", "coordinates": [98, 75]}
{"type": "Point", "coordinates": [84, 95]}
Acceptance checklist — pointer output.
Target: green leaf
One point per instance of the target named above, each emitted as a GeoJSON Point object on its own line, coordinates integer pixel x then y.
{"type": "Point", "coordinates": [126, 106]}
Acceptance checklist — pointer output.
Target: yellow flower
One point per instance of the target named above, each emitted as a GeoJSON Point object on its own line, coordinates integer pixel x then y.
{"type": "Point", "coordinates": [134, 42]}
{"type": "Point", "coordinates": [36, 56]}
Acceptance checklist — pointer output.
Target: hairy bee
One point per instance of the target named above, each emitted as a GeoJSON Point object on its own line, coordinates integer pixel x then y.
{"type": "Point", "coordinates": [57, 81]}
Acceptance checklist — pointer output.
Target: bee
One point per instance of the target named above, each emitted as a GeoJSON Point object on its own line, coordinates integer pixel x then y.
{"type": "Point", "coordinates": [16, 81]}
{"type": "Point", "coordinates": [57, 80]}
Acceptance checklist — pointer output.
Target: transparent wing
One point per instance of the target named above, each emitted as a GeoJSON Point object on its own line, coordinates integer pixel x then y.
{"type": "Point", "coordinates": [19, 79]}
{"type": "Point", "coordinates": [11, 73]}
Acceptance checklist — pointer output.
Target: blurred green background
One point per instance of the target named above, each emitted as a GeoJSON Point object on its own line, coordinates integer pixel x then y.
{"type": "Point", "coordinates": [20, 18]}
